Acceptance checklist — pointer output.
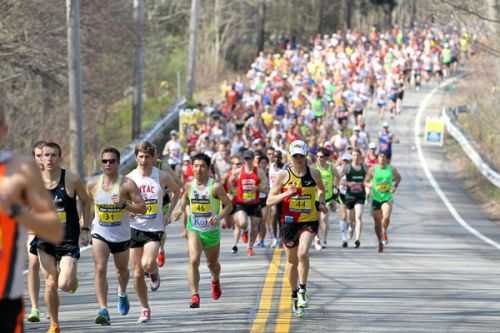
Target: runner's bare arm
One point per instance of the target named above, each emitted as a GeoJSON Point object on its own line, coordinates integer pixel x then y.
{"type": "Point", "coordinates": [130, 190]}
{"type": "Point", "coordinates": [180, 207]}
{"type": "Point", "coordinates": [168, 181]}
{"type": "Point", "coordinates": [368, 177]}
{"type": "Point", "coordinates": [221, 194]}
{"type": "Point", "coordinates": [397, 178]}
{"type": "Point", "coordinates": [275, 195]}
{"type": "Point", "coordinates": [41, 218]}
{"type": "Point", "coordinates": [84, 198]}
{"type": "Point", "coordinates": [321, 190]}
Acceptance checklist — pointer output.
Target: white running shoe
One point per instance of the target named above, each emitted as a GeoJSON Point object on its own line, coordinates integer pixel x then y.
{"type": "Point", "coordinates": [145, 316]}
{"type": "Point", "coordinates": [302, 299]}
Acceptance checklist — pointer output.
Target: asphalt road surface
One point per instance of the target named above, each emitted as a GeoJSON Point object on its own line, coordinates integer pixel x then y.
{"type": "Point", "coordinates": [435, 275]}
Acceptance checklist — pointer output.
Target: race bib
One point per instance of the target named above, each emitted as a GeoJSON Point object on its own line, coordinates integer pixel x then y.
{"type": "Point", "coordinates": [301, 204]}
{"type": "Point", "coordinates": [200, 222]}
{"type": "Point", "coordinates": [356, 187]}
{"type": "Point", "coordinates": [249, 190]}
{"type": "Point", "coordinates": [200, 208]}
{"type": "Point", "coordinates": [152, 209]}
{"type": "Point", "coordinates": [62, 216]}
{"type": "Point", "coordinates": [110, 215]}
{"type": "Point", "coordinates": [384, 187]}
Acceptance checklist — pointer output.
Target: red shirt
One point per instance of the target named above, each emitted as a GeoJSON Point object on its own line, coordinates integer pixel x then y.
{"type": "Point", "coordinates": [247, 187]}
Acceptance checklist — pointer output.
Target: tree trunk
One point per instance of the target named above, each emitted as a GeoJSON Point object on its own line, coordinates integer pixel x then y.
{"type": "Point", "coordinates": [75, 87]}
{"type": "Point", "coordinates": [261, 26]}
{"type": "Point", "coordinates": [46, 97]}
{"type": "Point", "coordinates": [138, 69]}
{"type": "Point", "coordinates": [217, 13]}
{"type": "Point", "coordinates": [191, 64]}
{"type": "Point", "coordinates": [494, 16]}
{"type": "Point", "coordinates": [348, 14]}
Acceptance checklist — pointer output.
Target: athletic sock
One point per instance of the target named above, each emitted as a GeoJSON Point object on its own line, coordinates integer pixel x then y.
{"type": "Point", "coordinates": [294, 293]}
{"type": "Point", "coordinates": [302, 287]}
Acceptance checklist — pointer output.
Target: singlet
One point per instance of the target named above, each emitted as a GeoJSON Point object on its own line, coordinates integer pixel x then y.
{"type": "Point", "coordinates": [187, 173]}
{"type": "Point", "coordinates": [300, 207]}
{"type": "Point", "coordinates": [247, 187]}
{"type": "Point", "coordinates": [355, 179]}
{"type": "Point", "coordinates": [382, 183]}
{"type": "Point", "coordinates": [328, 177]}
{"type": "Point", "coordinates": [12, 249]}
{"type": "Point", "coordinates": [274, 171]}
{"type": "Point", "coordinates": [385, 144]}
{"type": "Point", "coordinates": [66, 211]}
{"type": "Point", "coordinates": [152, 194]}
{"type": "Point", "coordinates": [202, 206]}
{"type": "Point", "coordinates": [370, 161]}
{"type": "Point", "coordinates": [110, 221]}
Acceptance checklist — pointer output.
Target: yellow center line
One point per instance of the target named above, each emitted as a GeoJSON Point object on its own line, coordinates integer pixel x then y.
{"type": "Point", "coordinates": [285, 307]}
{"type": "Point", "coordinates": [266, 298]}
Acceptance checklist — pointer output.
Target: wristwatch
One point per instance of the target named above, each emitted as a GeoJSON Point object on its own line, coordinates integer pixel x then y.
{"type": "Point", "coordinates": [15, 210]}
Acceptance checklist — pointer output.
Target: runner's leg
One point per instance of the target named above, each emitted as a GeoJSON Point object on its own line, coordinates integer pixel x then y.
{"type": "Point", "coordinates": [49, 267]}
{"type": "Point", "coordinates": [101, 253]}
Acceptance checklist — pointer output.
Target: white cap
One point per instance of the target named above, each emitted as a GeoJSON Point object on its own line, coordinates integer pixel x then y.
{"type": "Point", "coordinates": [356, 128]}
{"type": "Point", "coordinates": [276, 122]}
{"type": "Point", "coordinates": [372, 145]}
{"type": "Point", "coordinates": [298, 147]}
{"type": "Point", "coordinates": [385, 124]}
{"type": "Point", "coordinates": [186, 157]}
{"type": "Point", "coordinates": [346, 157]}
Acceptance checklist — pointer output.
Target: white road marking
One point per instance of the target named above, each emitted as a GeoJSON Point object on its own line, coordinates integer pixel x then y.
{"type": "Point", "coordinates": [431, 178]}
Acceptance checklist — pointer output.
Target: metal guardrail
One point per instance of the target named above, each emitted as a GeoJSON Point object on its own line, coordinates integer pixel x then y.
{"type": "Point", "coordinates": [468, 148]}
{"type": "Point", "coordinates": [157, 135]}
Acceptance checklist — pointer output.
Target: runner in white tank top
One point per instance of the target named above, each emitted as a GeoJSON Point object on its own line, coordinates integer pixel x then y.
{"type": "Point", "coordinates": [114, 197]}
{"type": "Point", "coordinates": [147, 229]}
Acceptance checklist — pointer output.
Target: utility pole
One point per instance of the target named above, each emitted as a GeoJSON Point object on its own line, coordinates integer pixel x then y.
{"type": "Point", "coordinates": [261, 30]}
{"type": "Point", "coordinates": [75, 87]}
{"type": "Point", "coordinates": [191, 64]}
{"type": "Point", "coordinates": [138, 69]}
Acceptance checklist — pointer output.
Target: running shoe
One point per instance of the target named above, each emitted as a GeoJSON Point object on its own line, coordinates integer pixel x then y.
{"type": "Point", "coordinates": [317, 244]}
{"type": "Point", "coordinates": [145, 316]}
{"type": "Point", "coordinates": [195, 301]}
{"type": "Point", "coordinates": [357, 244]}
{"type": "Point", "coordinates": [250, 252]}
{"type": "Point", "coordinates": [324, 244]}
{"type": "Point", "coordinates": [103, 318]}
{"type": "Point", "coordinates": [297, 311]}
{"type": "Point", "coordinates": [34, 316]}
{"type": "Point", "coordinates": [302, 299]}
{"type": "Point", "coordinates": [274, 244]}
{"type": "Point", "coordinates": [234, 250]}
{"type": "Point", "coordinates": [154, 283]}
{"type": "Point", "coordinates": [344, 244]}
{"type": "Point", "coordinates": [386, 240]}
{"type": "Point", "coordinates": [160, 259]}
{"type": "Point", "coordinates": [216, 290]}
{"type": "Point", "coordinates": [244, 237]}
{"type": "Point", "coordinates": [76, 287]}
{"type": "Point", "coordinates": [261, 244]}
{"type": "Point", "coordinates": [123, 305]}
{"type": "Point", "coordinates": [380, 247]}
{"type": "Point", "coordinates": [54, 328]}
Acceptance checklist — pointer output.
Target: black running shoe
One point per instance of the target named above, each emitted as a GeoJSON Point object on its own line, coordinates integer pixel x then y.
{"type": "Point", "coordinates": [234, 250]}
{"type": "Point", "coordinates": [344, 244]}
{"type": "Point", "coordinates": [357, 244]}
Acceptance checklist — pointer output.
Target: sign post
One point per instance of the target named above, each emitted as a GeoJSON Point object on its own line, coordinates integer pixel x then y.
{"type": "Point", "coordinates": [434, 130]}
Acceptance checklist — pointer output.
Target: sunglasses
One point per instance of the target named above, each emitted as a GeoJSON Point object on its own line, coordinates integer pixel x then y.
{"type": "Point", "coordinates": [111, 161]}
{"type": "Point", "coordinates": [237, 164]}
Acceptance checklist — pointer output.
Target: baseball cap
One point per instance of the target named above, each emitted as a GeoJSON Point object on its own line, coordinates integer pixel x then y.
{"type": "Point", "coordinates": [173, 132]}
{"type": "Point", "coordinates": [357, 128]}
{"type": "Point", "coordinates": [346, 157]}
{"type": "Point", "coordinates": [186, 157]}
{"type": "Point", "coordinates": [276, 122]}
{"type": "Point", "coordinates": [385, 124]}
{"type": "Point", "coordinates": [372, 145]}
{"type": "Point", "coordinates": [248, 155]}
{"type": "Point", "coordinates": [298, 147]}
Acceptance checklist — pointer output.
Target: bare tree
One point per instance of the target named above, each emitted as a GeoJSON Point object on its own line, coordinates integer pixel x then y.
{"type": "Point", "coordinates": [261, 25]}
{"type": "Point", "coordinates": [75, 87]}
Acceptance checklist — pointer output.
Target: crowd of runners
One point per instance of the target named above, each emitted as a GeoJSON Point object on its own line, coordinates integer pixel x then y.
{"type": "Point", "coordinates": [287, 151]}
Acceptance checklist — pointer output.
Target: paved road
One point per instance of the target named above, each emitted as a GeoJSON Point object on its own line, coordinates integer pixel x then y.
{"type": "Point", "coordinates": [435, 276]}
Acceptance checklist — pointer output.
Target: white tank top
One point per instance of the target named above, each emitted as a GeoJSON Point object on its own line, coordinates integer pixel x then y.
{"type": "Point", "coordinates": [110, 222]}
{"type": "Point", "coordinates": [152, 194]}
{"type": "Point", "coordinates": [273, 173]}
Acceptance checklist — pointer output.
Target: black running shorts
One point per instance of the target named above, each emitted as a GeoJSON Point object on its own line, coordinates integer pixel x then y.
{"type": "Point", "coordinates": [139, 238]}
{"type": "Point", "coordinates": [290, 232]}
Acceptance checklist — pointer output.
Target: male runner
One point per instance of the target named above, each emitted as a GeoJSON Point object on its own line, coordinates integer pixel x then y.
{"type": "Point", "coordinates": [59, 262]}
{"type": "Point", "coordinates": [33, 263]}
{"type": "Point", "coordinates": [114, 197]}
{"type": "Point", "coordinates": [147, 229]}
{"type": "Point", "coordinates": [24, 204]}
{"type": "Point", "coordinates": [296, 189]}
{"type": "Point", "coordinates": [249, 181]}
{"type": "Point", "coordinates": [384, 180]}
{"type": "Point", "coordinates": [201, 201]}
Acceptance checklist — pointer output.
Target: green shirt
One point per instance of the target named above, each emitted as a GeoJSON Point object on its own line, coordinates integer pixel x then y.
{"type": "Point", "coordinates": [327, 177]}
{"type": "Point", "coordinates": [382, 183]}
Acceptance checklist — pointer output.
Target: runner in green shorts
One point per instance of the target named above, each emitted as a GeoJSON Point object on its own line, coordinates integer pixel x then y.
{"type": "Point", "coordinates": [202, 201]}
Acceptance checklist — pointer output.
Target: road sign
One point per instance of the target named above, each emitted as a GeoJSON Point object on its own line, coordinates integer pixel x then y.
{"type": "Point", "coordinates": [434, 130]}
